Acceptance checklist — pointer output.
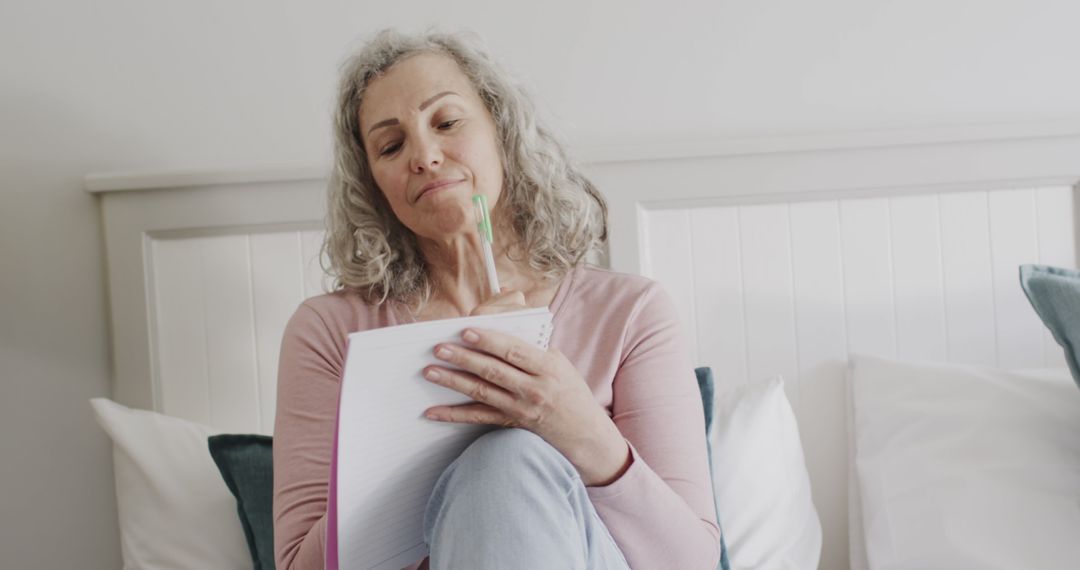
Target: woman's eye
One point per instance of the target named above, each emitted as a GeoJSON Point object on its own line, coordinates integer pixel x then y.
{"type": "Point", "coordinates": [389, 149]}
{"type": "Point", "coordinates": [447, 124]}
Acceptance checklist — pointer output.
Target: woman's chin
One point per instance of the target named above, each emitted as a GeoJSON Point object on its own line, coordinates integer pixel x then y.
{"type": "Point", "coordinates": [446, 224]}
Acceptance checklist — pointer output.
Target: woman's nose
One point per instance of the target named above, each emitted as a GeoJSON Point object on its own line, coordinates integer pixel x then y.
{"type": "Point", "coordinates": [426, 154]}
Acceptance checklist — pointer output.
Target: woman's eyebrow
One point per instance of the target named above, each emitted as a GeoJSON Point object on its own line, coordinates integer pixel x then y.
{"type": "Point", "coordinates": [424, 105]}
{"type": "Point", "coordinates": [428, 103]}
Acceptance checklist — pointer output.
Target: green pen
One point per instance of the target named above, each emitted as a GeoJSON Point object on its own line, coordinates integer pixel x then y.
{"type": "Point", "coordinates": [487, 237]}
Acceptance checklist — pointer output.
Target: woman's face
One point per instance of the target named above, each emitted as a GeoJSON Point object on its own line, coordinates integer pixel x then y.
{"type": "Point", "coordinates": [431, 144]}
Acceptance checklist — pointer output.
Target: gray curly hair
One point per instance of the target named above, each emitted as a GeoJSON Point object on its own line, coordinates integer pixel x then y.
{"type": "Point", "coordinates": [558, 216]}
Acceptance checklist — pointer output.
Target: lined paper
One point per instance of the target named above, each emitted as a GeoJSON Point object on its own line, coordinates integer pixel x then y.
{"type": "Point", "coordinates": [388, 456]}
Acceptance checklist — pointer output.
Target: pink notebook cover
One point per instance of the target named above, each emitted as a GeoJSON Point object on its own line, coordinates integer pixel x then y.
{"type": "Point", "coordinates": [331, 504]}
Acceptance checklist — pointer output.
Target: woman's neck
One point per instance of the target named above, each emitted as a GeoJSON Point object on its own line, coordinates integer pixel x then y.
{"type": "Point", "coordinates": [459, 276]}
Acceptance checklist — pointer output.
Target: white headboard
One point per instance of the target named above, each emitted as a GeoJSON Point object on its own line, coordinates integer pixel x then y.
{"type": "Point", "coordinates": [784, 255]}
{"type": "Point", "coordinates": [204, 271]}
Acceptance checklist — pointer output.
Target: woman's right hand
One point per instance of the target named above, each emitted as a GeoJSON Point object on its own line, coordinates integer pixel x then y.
{"type": "Point", "coordinates": [507, 300]}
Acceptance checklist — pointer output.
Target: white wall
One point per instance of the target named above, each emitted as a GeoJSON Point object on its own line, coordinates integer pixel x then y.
{"type": "Point", "coordinates": [125, 85]}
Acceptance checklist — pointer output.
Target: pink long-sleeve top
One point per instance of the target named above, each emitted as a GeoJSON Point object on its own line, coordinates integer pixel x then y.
{"type": "Point", "coordinates": [620, 331]}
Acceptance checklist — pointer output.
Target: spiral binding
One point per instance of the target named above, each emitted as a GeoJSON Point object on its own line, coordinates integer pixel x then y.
{"type": "Point", "coordinates": [545, 335]}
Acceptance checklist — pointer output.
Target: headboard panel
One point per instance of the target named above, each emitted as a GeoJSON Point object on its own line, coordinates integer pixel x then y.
{"type": "Point", "coordinates": [921, 277]}
{"type": "Point", "coordinates": [784, 255]}
{"type": "Point", "coordinates": [220, 303]}
{"type": "Point", "coordinates": [204, 269]}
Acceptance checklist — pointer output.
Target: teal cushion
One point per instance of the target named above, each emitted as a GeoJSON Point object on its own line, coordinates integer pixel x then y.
{"type": "Point", "coordinates": [1055, 294]}
{"type": "Point", "coordinates": [707, 387]}
{"type": "Point", "coordinates": [246, 464]}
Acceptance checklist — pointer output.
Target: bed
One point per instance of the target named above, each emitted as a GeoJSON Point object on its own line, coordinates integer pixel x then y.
{"type": "Point", "coordinates": [786, 257]}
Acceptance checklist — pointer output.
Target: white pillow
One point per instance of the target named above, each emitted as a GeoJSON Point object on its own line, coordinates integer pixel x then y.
{"type": "Point", "coordinates": [174, 508]}
{"type": "Point", "coordinates": [856, 540]}
{"type": "Point", "coordinates": [967, 467]}
{"type": "Point", "coordinates": [762, 486]}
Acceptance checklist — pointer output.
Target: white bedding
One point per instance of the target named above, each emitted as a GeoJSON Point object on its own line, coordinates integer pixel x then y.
{"type": "Point", "coordinates": [762, 486]}
{"type": "Point", "coordinates": [966, 467]}
{"type": "Point", "coordinates": [174, 508]}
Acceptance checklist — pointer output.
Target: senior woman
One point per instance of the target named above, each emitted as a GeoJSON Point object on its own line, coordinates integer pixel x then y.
{"type": "Point", "coordinates": [602, 462]}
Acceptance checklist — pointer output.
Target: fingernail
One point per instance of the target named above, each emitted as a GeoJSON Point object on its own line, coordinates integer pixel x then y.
{"type": "Point", "coordinates": [470, 336]}
{"type": "Point", "coordinates": [442, 352]}
{"type": "Point", "coordinates": [432, 374]}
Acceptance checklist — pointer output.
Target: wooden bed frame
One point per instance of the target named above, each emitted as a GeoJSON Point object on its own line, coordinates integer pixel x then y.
{"type": "Point", "coordinates": [784, 256]}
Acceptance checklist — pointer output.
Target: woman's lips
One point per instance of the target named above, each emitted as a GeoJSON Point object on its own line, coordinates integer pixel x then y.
{"type": "Point", "coordinates": [434, 187]}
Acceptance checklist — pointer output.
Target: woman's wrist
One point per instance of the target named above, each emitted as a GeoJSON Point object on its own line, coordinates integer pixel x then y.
{"type": "Point", "coordinates": [603, 460]}
{"type": "Point", "coordinates": [623, 461]}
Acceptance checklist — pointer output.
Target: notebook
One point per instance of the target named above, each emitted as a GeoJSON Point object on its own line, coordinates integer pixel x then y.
{"type": "Point", "coordinates": [387, 456]}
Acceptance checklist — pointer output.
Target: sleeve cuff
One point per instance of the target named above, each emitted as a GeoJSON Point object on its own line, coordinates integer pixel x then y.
{"type": "Point", "coordinates": [626, 481]}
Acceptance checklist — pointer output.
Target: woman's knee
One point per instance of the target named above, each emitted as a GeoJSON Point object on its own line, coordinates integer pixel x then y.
{"type": "Point", "coordinates": [515, 450]}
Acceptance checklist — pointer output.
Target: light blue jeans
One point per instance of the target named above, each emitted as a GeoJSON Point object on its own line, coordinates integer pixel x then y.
{"type": "Point", "coordinates": [510, 500]}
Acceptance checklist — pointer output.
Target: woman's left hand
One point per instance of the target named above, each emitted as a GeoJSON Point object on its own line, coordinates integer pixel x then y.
{"type": "Point", "coordinates": [516, 384]}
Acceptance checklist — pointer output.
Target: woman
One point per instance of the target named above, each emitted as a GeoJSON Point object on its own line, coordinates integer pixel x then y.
{"type": "Point", "coordinates": [604, 462]}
